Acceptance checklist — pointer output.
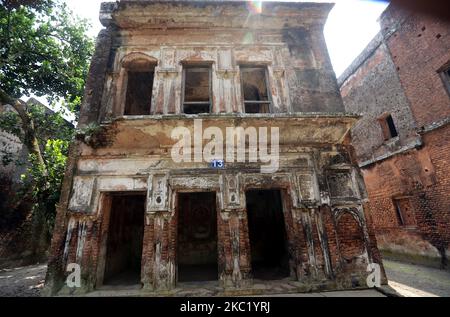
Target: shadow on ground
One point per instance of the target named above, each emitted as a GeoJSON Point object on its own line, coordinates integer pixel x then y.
{"type": "Point", "coordinates": [26, 281]}
{"type": "Point", "coordinates": [407, 279]}
{"type": "Point", "coordinates": [416, 280]}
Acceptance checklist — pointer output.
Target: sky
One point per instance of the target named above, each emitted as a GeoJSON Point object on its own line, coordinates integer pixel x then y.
{"type": "Point", "coordinates": [351, 25]}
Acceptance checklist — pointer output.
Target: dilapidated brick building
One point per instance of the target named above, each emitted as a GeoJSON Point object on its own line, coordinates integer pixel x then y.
{"type": "Point", "coordinates": [130, 213]}
{"type": "Point", "coordinates": [401, 84]}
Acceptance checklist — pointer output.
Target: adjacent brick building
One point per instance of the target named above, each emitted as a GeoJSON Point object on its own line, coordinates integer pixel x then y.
{"type": "Point", "coordinates": [401, 85]}
{"type": "Point", "coordinates": [131, 213]}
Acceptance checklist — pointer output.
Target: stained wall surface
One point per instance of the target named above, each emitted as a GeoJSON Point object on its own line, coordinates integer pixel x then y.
{"type": "Point", "coordinates": [319, 182]}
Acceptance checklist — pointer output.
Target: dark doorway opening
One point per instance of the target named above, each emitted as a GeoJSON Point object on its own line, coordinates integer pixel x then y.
{"type": "Point", "coordinates": [125, 237]}
{"type": "Point", "coordinates": [267, 233]}
{"type": "Point", "coordinates": [197, 237]}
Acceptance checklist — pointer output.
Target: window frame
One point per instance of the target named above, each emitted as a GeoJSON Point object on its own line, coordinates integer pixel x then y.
{"type": "Point", "coordinates": [398, 212]}
{"type": "Point", "coordinates": [402, 217]}
{"type": "Point", "coordinates": [269, 101]}
{"type": "Point", "coordinates": [135, 61]}
{"type": "Point", "coordinates": [183, 86]}
{"type": "Point", "coordinates": [386, 128]}
{"type": "Point", "coordinates": [126, 90]}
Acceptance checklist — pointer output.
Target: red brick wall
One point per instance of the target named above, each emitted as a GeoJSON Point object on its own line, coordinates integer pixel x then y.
{"type": "Point", "coordinates": [244, 246]}
{"type": "Point", "coordinates": [148, 254]}
{"type": "Point", "coordinates": [419, 48]}
{"type": "Point", "coordinates": [224, 246]}
{"type": "Point", "coordinates": [436, 219]}
{"type": "Point", "coordinates": [351, 239]}
{"type": "Point", "coordinates": [373, 244]}
{"type": "Point", "coordinates": [330, 229]}
{"type": "Point", "coordinates": [424, 176]}
{"type": "Point", "coordinates": [402, 77]}
{"type": "Point", "coordinates": [318, 251]}
{"type": "Point", "coordinates": [300, 249]}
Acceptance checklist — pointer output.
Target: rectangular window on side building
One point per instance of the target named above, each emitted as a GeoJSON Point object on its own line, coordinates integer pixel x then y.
{"type": "Point", "coordinates": [388, 127]}
{"type": "Point", "coordinates": [404, 211]}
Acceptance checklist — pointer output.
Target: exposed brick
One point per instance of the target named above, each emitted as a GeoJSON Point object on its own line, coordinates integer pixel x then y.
{"type": "Point", "coordinates": [398, 73]}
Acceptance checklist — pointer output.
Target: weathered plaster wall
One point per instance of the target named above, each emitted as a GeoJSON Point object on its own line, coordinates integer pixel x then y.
{"type": "Point", "coordinates": [372, 90]}
{"type": "Point", "coordinates": [288, 39]}
{"type": "Point", "coordinates": [319, 181]}
{"type": "Point", "coordinates": [305, 226]}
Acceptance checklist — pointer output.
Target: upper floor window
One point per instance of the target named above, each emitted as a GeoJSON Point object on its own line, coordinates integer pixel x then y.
{"type": "Point", "coordinates": [388, 126]}
{"type": "Point", "coordinates": [255, 89]}
{"type": "Point", "coordinates": [197, 89]}
{"type": "Point", "coordinates": [138, 98]}
{"type": "Point", "coordinates": [445, 75]}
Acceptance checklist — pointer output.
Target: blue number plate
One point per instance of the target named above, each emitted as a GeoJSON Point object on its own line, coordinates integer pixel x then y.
{"type": "Point", "coordinates": [217, 164]}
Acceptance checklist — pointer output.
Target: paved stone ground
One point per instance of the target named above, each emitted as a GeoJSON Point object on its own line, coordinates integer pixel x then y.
{"type": "Point", "coordinates": [356, 293]}
{"type": "Point", "coordinates": [417, 281]}
{"type": "Point", "coordinates": [24, 281]}
{"type": "Point", "coordinates": [276, 288]}
{"type": "Point", "coordinates": [204, 293]}
{"type": "Point", "coordinates": [406, 279]}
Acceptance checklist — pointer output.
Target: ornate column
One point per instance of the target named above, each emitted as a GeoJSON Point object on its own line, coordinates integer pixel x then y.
{"type": "Point", "coordinates": [233, 239]}
{"type": "Point", "coordinates": [158, 253]}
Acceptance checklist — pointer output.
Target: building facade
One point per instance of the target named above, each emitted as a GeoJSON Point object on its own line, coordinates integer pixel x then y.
{"type": "Point", "coordinates": [400, 83]}
{"type": "Point", "coordinates": [171, 180]}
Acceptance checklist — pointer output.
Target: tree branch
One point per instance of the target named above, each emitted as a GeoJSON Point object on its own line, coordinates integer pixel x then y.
{"type": "Point", "coordinates": [30, 139]}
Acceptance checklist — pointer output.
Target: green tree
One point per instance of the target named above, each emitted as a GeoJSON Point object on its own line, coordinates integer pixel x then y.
{"type": "Point", "coordinates": [44, 51]}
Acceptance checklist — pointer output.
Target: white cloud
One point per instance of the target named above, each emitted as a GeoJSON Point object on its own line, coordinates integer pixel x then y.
{"type": "Point", "coordinates": [90, 10]}
{"type": "Point", "coordinates": [350, 27]}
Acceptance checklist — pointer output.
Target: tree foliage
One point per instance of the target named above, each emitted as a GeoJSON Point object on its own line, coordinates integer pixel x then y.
{"type": "Point", "coordinates": [41, 182]}
{"type": "Point", "coordinates": [44, 51]}
{"type": "Point", "coordinates": [45, 194]}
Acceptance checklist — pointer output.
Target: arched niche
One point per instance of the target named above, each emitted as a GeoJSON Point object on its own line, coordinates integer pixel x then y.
{"type": "Point", "coordinates": [350, 235]}
{"type": "Point", "coordinates": [138, 62]}
{"type": "Point", "coordinates": [135, 85]}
